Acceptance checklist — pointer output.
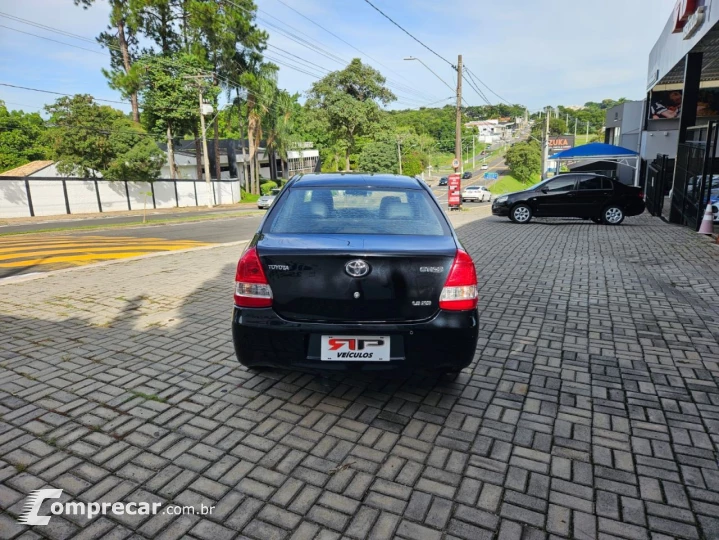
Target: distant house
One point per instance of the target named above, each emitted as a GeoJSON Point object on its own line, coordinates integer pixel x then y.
{"type": "Point", "coordinates": [491, 131]}
{"type": "Point", "coordinates": [40, 169]}
{"type": "Point", "coordinates": [233, 161]}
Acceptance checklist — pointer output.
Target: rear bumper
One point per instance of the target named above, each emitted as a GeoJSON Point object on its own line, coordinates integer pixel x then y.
{"type": "Point", "coordinates": [635, 208]}
{"type": "Point", "coordinates": [262, 338]}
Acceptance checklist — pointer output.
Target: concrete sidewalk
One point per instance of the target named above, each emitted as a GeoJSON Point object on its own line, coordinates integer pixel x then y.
{"type": "Point", "coordinates": [591, 411]}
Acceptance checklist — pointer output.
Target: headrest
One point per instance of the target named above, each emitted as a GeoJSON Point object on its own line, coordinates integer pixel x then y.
{"type": "Point", "coordinates": [398, 210]}
{"type": "Point", "coordinates": [318, 209]}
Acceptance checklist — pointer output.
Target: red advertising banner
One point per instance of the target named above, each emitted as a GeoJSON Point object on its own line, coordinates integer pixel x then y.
{"type": "Point", "coordinates": [454, 190]}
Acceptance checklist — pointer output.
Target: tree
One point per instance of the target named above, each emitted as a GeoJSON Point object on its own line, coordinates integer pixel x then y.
{"type": "Point", "coordinates": [279, 125]}
{"type": "Point", "coordinates": [121, 41]}
{"type": "Point", "coordinates": [221, 34]}
{"type": "Point", "coordinates": [22, 138]}
{"type": "Point", "coordinates": [170, 98]}
{"type": "Point", "coordinates": [349, 102]}
{"type": "Point", "coordinates": [261, 83]}
{"type": "Point", "coordinates": [524, 160]}
{"type": "Point", "coordinates": [87, 138]}
{"type": "Point", "coordinates": [378, 157]}
{"type": "Point", "coordinates": [413, 163]}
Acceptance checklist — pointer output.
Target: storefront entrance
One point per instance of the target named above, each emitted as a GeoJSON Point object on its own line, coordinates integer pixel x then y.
{"type": "Point", "coordinates": [696, 168]}
{"type": "Point", "coordinates": [659, 184]}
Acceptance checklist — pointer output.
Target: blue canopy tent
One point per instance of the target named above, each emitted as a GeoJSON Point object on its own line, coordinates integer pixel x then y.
{"type": "Point", "coordinates": [604, 152]}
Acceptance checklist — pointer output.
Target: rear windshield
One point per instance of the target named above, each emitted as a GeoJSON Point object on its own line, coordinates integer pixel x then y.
{"type": "Point", "coordinates": [358, 211]}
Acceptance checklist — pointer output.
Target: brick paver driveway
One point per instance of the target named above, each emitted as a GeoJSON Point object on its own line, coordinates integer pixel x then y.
{"type": "Point", "coordinates": [592, 410]}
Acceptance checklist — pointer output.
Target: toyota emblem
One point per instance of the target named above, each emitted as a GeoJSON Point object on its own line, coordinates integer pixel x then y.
{"type": "Point", "coordinates": [357, 268]}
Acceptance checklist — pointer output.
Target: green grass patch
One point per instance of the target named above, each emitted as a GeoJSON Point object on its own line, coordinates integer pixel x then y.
{"type": "Point", "coordinates": [509, 184]}
{"type": "Point", "coordinates": [249, 197]}
{"type": "Point", "coordinates": [150, 397]}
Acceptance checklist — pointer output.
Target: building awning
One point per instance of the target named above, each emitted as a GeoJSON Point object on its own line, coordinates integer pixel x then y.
{"type": "Point", "coordinates": [595, 150]}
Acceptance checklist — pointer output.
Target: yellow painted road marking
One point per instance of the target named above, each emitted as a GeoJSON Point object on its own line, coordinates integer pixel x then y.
{"type": "Point", "coordinates": [7, 255]}
{"type": "Point", "coordinates": [75, 259]}
{"type": "Point", "coordinates": [66, 250]}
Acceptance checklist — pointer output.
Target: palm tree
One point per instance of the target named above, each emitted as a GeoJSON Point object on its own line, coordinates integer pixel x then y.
{"type": "Point", "coordinates": [279, 124]}
{"type": "Point", "coordinates": [261, 84]}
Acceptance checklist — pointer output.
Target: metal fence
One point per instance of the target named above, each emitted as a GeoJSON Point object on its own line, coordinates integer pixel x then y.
{"type": "Point", "coordinates": [659, 183]}
{"type": "Point", "coordinates": [695, 168]}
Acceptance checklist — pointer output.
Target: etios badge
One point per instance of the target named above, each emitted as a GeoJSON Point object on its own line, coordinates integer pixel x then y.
{"type": "Point", "coordinates": [357, 268]}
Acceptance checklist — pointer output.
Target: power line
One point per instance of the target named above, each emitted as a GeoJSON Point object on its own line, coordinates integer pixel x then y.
{"type": "Point", "coordinates": [317, 47]}
{"type": "Point", "coordinates": [410, 35]}
{"type": "Point", "coordinates": [476, 89]}
{"type": "Point", "coordinates": [471, 74]}
{"type": "Point", "coordinates": [409, 88]}
{"type": "Point", "coordinates": [59, 93]}
{"type": "Point", "coordinates": [53, 40]}
{"type": "Point", "coordinates": [45, 27]}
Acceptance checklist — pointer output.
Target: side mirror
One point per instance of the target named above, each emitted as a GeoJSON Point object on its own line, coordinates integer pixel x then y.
{"type": "Point", "coordinates": [544, 190]}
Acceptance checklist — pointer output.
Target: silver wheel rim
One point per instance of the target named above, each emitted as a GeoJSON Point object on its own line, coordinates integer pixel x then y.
{"type": "Point", "coordinates": [613, 215]}
{"type": "Point", "coordinates": [521, 214]}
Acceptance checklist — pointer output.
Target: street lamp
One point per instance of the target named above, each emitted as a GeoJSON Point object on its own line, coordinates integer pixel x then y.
{"type": "Point", "coordinates": [432, 72]}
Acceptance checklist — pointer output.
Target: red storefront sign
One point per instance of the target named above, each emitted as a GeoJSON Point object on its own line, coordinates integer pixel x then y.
{"type": "Point", "coordinates": [454, 190]}
{"type": "Point", "coordinates": [683, 10]}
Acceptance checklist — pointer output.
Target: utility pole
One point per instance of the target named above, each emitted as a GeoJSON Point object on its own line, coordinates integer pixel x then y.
{"type": "Point", "coordinates": [545, 145]}
{"type": "Point", "coordinates": [575, 130]}
{"type": "Point", "coordinates": [399, 155]}
{"type": "Point", "coordinates": [473, 153]}
{"type": "Point", "coordinates": [205, 155]}
{"type": "Point", "coordinates": [458, 126]}
{"type": "Point", "coordinates": [587, 140]}
{"type": "Point", "coordinates": [203, 134]}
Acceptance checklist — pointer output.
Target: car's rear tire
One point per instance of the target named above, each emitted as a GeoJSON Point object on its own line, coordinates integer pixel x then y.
{"type": "Point", "coordinates": [521, 213]}
{"type": "Point", "coordinates": [612, 215]}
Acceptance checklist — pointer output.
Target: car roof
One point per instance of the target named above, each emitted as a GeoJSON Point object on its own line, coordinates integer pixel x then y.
{"type": "Point", "coordinates": [357, 180]}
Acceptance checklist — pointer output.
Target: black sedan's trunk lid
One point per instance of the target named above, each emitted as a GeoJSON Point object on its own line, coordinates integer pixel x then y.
{"type": "Point", "coordinates": [311, 280]}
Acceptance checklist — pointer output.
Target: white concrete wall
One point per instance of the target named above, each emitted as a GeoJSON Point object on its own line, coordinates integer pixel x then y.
{"type": "Point", "coordinates": [186, 193]}
{"type": "Point", "coordinates": [112, 196]}
{"type": "Point", "coordinates": [48, 197]}
{"type": "Point", "coordinates": [165, 194]}
{"type": "Point", "coordinates": [13, 199]}
{"type": "Point", "coordinates": [82, 196]}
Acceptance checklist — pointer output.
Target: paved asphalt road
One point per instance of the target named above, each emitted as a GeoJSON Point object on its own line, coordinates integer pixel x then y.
{"type": "Point", "coordinates": [109, 219]}
{"type": "Point", "coordinates": [43, 252]}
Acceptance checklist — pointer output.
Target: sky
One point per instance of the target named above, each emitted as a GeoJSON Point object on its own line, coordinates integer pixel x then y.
{"type": "Point", "coordinates": [533, 52]}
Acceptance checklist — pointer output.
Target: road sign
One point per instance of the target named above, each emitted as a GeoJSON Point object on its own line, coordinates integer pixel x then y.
{"type": "Point", "coordinates": [454, 189]}
{"type": "Point", "coordinates": [455, 163]}
{"type": "Point", "coordinates": [491, 176]}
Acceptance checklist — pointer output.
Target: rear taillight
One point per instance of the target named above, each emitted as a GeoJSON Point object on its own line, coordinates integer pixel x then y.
{"type": "Point", "coordinates": [460, 290]}
{"type": "Point", "coordinates": [251, 286]}
{"type": "Point", "coordinates": [641, 194]}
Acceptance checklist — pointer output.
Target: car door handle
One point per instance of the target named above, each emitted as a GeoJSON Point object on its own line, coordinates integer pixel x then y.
{"type": "Point", "coordinates": [571, 194]}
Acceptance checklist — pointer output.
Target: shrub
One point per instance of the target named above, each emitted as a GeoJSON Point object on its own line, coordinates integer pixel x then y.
{"type": "Point", "coordinates": [267, 187]}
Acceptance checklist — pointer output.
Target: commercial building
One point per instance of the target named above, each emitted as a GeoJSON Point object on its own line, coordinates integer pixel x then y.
{"type": "Point", "coordinates": [624, 128]}
{"type": "Point", "coordinates": [679, 126]}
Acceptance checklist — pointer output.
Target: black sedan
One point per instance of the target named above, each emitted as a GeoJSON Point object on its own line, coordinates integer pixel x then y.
{"type": "Point", "coordinates": [466, 175]}
{"type": "Point", "coordinates": [443, 181]}
{"type": "Point", "coordinates": [601, 199]}
{"type": "Point", "coordinates": [351, 271]}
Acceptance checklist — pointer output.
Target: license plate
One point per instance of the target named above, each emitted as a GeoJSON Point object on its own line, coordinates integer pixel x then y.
{"type": "Point", "coordinates": [355, 349]}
